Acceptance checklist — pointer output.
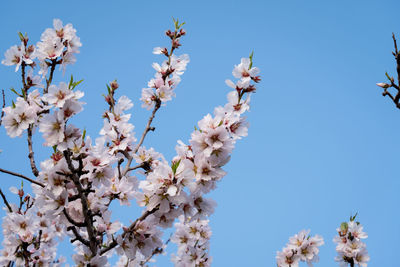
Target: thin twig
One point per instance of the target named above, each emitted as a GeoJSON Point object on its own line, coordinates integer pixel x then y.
{"type": "Point", "coordinates": [155, 252]}
{"type": "Point", "coordinates": [48, 82]}
{"type": "Point", "coordinates": [141, 165]}
{"type": "Point", "coordinates": [31, 154]}
{"type": "Point", "coordinates": [4, 105]}
{"type": "Point", "coordinates": [397, 57]}
{"type": "Point", "coordinates": [146, 130]}
{"type": "Point", "coordinates": [395, 97]}
{"type": "Point", "coordinates": [5, 201]}
{"type": "Point", "coordinates": [22, 176]}
{"type": "Point", "coordinates": [72, 221]}
{"type": "Point", "coordinates": [78, 236]}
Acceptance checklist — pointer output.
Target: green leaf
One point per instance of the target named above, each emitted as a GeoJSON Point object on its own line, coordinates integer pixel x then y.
{"type": "Point", "coordinates": [21, 36]}
{"type": "Point", "coordinates": [352, 218]}
{"type": "Point", "coordinates": [76, 84]}
{"type": "Point", "coordinates": [251, 59]}
{"type": "Point", "coordinates": [13, 90]}
{"type": "Point", "coordinates": [387, 75]}
{"type": "Point", "coordinates": [71, 82]}
{"type": "Point", "coordinates": [175, 166]}
{"type": "Point", "coordinates": [344, 226]}
{"type": "Point", "coordinates": [108, 89]}
{"type": "Point", "coordinates": [84, 134]}
{"type": "Point", "coordinates": [55, 148]}
{"type": "Point", "coordinates": [13, 104]}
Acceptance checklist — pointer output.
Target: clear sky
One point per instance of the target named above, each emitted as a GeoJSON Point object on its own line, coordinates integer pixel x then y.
{"type": "Point", "coordinates": [322, 142]}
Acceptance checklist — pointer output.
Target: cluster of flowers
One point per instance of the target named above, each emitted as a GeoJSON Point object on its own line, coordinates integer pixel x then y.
{"type": "Point", "coordinates": [193, 243]}
{"type": "Point", "coordinates": [28, 233]}
{"type": "Point", "coordinates": [161, 87]}
{"type": "Point", "coordinates": [77, 184]}
{"type": "Point", "coordinates": [57, 45]}
{"type": "Point", "coordinates": [301, 247]}
{"type": "Point", "coordinates": [351, 250]}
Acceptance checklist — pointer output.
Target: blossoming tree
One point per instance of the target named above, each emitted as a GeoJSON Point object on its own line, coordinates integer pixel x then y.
{"type": "Point", "coordinates": [74, 187]}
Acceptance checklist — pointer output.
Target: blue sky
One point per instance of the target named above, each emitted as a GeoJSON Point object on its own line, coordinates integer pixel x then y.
{"type": "Point", "coordinates": [322, 143]}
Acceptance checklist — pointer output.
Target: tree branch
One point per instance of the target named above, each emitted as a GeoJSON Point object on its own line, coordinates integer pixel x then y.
{"type": "Point", "coordinates": [78, 236]}
{"type": "Point", "coordinates": [146, 130]}
{"type": "Point", "coordinates": [23, 177]}
{"type": "Point", "coordinates": [385, 86]}
{"type": "Point", "coordinates": [87, 213]}
{"type": "Point", "coordinates": [141, 165]}
{"type": "Point", "coordinates": [155, 252]}
{"type": "Point", "coordinates": [72, 221]}
{"type": "Point", "coordinates": [31, 154]}
{"type": "Point", "coordinates": [4, 105]}
{"type": "Point", "coordinates": [397, 57]}
{"type": "Point", "coordinates": [5, 201]}
{"type": "Point", "coordinates": [48, 82]}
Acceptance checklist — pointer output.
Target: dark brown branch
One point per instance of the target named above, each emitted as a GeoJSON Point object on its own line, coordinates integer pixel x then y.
{"type": "Point", "coordinates": [24, 79]}
{"type": "Point", "coordinates": [141, 165]}
{"type": "Point", "coordinates": [72, 221]}
{"type": "Point", "coordinates": [5, 201]}
{"type": "Point", "coordinates": [155, 252]}
{"type": "Point", "coordinates": [119, 168]}
{"type": "Point", "coordinates": [31, 154]}
{"type": "Point", "coordinates": [22, 176]}
{"type": "Point", "coordinates": [146, 130]}
{"type": "Point", "coordinates": [78, 237]}
{"type": "Point", "coordinates": [87, 213]}
{"type": "Point", "coordinates": [395, 98]}
{"type": "Point", "coordinates": [397, 57]}
{"type": "Point", "coordinates": [4, 105]}
{"type": "Point", "coordinates": [48, 82]}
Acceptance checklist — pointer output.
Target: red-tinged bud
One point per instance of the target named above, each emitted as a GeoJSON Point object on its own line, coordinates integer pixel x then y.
{"type": "Point", "coordinates": [250, 89]}
{"type": "Point", "coordinates": [30, 49]}
{"type": "Point", "coordinates": [256, 79]}
{"type": "Point", "coordinates": [182, 32]}
{"type": "Point", "coordinates": [237, 107]}
{"type": "Point", "coordinates": [383, 85]}
{"type": "Point", "coordinates": [105, 115]}
{"type": "Point", "coordinates": [26, 198]}
{"type": "Point", "coordinates": [108, 99]}
{"type": "Point", "coordinates": [21, 193]}
{"type": "Point", "coordinates": [57, 156]}
{"type": "Point", "coordinates": [175, 43]}
{"type": "Point", "coordinates": [165, 51]}
{"type": "Point", "coordinates": [169, 34]}
{"type": "Point", "coordinates": [114, 85]}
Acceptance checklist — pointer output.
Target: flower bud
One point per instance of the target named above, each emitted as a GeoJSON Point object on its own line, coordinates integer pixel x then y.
{"type": "Point", "coordinates": [114, 85]}
{"type": "Point", "coordinates": [383, 85]}
{"type": "Point", "coordinates": [21, 193]}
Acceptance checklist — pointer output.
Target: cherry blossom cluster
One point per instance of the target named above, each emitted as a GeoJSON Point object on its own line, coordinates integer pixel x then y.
{"type": "Point", "coordinates": [29, 236]}
{"type": "Point", "coordinates": [167, 77]}
{"type": "Point", "coordinates": [193, 243]}
{"type": "Point", "coordinates": [57, 45]}
{"type": "Point", "coordinates": [301, 247]}
{"type": "Point", "coordinates": [77, 183]}
{"type": "Point", "coordinates": [351, 250]}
